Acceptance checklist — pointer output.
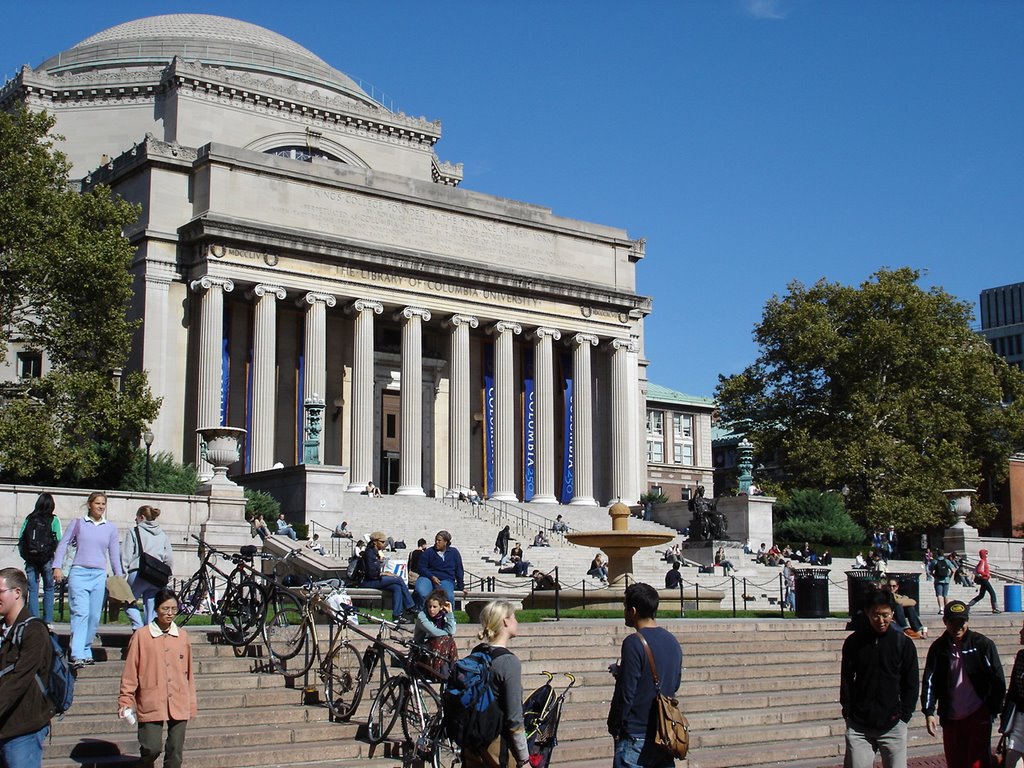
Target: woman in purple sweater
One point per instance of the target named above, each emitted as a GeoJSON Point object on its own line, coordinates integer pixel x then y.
{"type": "Point", "coordinates": [97, 543]}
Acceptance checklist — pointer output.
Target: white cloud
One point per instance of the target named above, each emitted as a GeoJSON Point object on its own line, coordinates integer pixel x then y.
{"type": "Point", "coordinates": [766, 9]}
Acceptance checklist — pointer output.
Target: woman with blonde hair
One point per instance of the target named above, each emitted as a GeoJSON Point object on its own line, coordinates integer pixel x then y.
{"type": "Point", "coordinates": [147, 536]}
{"type": "Point", "coordinates": [498, 625]}
{"type": "Point", "coordinates": [96, 542]}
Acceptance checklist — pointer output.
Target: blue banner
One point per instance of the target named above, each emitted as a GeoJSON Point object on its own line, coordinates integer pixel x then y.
{"type": "Point", "coordinates": [225, 374]}
{"type": "Point", "coordinates": [529, 428]}
{"type": "Point", "coordinates": [568, 455]}
{"type": "Point", "coordinates": [488, 431]}
{"type": "Point", "coordinates": [300, 390]}
{"type": "Point", "coordinates": [246, 453]}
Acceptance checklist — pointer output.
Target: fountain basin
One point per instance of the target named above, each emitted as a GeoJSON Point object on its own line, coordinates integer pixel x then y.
{"type": "Point", "coordinates": [620, 547]}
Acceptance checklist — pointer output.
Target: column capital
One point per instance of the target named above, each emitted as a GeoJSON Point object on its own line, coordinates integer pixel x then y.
{"type": "Point", "coordinates": [542, 332]}
{"type": "Point", "coordinates": [361, 305]}
{"type": "Point", "coordinates": [206, 282]}
{"type": "Point", "coordinates": [408, 313]}
{"type": "Point", "coordinates": [503, 326]}
{"type": "Point", "coordinates": [262, 289]}
{"type": "Point", "coordinates": [629, 345]}
{"type": "Point", "coordinates": [579, 339]}
{"type": "Point", "coordinates": [315, 296]}
{"type": "Point", "coordinates": [456, 320]}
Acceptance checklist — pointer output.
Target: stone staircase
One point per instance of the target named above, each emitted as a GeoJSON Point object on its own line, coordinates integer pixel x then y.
{"type": "Point", "coordinates": [757, 692]}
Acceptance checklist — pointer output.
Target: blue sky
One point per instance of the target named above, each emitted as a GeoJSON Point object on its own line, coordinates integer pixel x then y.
{"type": "Point", "coordinates": [751, 142]}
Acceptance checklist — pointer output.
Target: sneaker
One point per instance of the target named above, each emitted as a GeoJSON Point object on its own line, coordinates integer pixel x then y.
{"type": "Point", "coordinates": [924, 632]}
{"type": "Point", "coordinates": [78, 663]}
{"type": "Point", "coordinates": [90, 661]}
{"type": "Point", "coordinates": [996, 610]}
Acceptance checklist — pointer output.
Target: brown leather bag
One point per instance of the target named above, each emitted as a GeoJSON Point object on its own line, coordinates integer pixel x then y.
{"type": "Point", "coordinates": [671, 728]}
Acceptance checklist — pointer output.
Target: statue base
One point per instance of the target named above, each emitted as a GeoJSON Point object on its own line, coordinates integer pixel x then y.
{"type": "Point", "coordinates": [703, 552]}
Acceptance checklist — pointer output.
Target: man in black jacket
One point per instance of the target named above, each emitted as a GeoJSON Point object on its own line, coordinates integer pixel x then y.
{"type": "Point", "coordinates": [964, 681]}
{"type": "Point", "coordinates": [878, 687]}
{"type": "Point", "coordinates": [25, 655]}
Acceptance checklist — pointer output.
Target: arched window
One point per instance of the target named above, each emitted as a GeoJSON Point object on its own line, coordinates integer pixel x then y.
{"type": "Point", "coordinates": [296, 152]}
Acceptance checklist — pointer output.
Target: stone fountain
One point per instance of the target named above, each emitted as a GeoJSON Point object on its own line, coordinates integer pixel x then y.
{"type": "Point", "coordinates": [620, 544]}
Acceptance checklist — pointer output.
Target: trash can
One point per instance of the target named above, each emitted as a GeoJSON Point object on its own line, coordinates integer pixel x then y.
{"type": "Point", "coordinates": [1011, 598]}
{"type": "Point", "coordinates": [858, 582]}
{"type": "Point", "coordinates": [811, 593]}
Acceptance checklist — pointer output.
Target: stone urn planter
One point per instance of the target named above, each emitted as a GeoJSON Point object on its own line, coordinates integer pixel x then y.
{"type": "Point", "coordinates": [221, 447]}
{"type": "Point", "coordinates": [959, 504]}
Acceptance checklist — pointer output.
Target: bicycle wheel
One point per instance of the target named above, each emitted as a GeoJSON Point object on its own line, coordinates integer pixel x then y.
{"type": "Point", "coordinates": [385, 709]}
{"type": "Point", "coordinates": [341, 674]}
{"type": "Point", "coordinates": [418, 711]}
{"type": "Point", "coordinates": [190, 599]}
{"type": "Point", "coordinates": [285, 631]}
{"type": "Point", "coordinates": [241, 613]}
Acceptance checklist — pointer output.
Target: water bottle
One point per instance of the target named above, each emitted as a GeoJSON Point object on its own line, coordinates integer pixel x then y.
{"type": "Point", "coordinates": [129, 716]}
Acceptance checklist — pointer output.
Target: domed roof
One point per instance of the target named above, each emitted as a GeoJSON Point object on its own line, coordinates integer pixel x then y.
{"type": "Point", "coordinates": [210, 39]}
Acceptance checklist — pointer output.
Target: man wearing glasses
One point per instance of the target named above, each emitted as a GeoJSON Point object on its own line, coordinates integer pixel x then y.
{"type": "Point", "coordinates": [25, 655]}
{"type": "Point", "coordinates": [906, 614]}
{"type": "Point", "coordinates": [878, 686]}
{"type": "Point", "coordinates": [963, 690]}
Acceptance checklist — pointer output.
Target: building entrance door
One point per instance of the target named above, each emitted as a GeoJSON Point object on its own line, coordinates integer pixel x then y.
{"type": "Point", "coordinates": [390, 442]}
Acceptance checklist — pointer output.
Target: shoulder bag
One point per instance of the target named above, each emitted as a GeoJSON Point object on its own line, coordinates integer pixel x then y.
{"type": "Point", "coordinates": [151, 569]}
{"type": "Point", "coordinates": [671, 728]}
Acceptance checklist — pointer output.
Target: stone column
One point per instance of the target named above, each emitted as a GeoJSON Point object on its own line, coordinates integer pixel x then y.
{"type": "Point", "coordinates": [314, 379]}
{"type": "Point", "coordinates": [544, 377]}
{"type": "Point", "coordinates": [459, 426]}
{"type": "Point", "coordinates": [411, 459]}
{"type": "Point", "coordinates": [625, 432]}
{"type": "Point", "coordinates": [361, 460]}
{"type": "Point", "coordinates": [583, 420]}
{"type": "Point", "coordinates": [504, 411]}
{"type": "Point", "coordinates": [211, 336]}
{"type": "Point", "coordinates": [264, 390]}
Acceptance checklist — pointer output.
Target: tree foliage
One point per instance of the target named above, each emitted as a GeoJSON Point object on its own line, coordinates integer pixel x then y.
{"type": "Point", "coordinates": [814, 516]}
{"type": "Point", "coordinates": [882, 388]}
{"type": "Point", "coordinates": [65, 290]}
{"type": "Point", "coordinates": [165, 474]}
{"type": "Point", "coordinates": [261, 503]}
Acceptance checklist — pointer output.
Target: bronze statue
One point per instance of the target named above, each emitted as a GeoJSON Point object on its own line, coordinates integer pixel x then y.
{"type": "Point", "coordinates": [707, 523]}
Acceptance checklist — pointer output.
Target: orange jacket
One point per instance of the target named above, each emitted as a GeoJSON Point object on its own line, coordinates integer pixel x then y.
{"type": "Point", "coordinates": [158, 676]}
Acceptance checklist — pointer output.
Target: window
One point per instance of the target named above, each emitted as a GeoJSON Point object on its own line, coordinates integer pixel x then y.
{"type": "Point", "coordinates": [30, 365]}
{"type": "Point", "coordinates": [682, 439]}
{"type": "Point", "coordinates": [655, 437]}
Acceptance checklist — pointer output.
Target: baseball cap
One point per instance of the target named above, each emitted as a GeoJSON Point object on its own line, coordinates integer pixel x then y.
{"type": "Point", "coordinates": [957, 609]}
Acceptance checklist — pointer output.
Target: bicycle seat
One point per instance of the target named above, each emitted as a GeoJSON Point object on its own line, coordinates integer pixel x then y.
{"type": "Point", "coordinates": [249, 551]}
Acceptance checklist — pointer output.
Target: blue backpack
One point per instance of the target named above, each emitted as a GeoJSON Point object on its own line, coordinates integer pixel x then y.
{"type": "Point", "coordinates": [61, 690]}
{"type": "Point", "coordinates": [472, 713]}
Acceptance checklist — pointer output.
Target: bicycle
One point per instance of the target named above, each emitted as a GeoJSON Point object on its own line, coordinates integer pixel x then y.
{"type": "Point", "coordinates": [407, 696]}
{"type": "Point", "coordinates": [239, 611]}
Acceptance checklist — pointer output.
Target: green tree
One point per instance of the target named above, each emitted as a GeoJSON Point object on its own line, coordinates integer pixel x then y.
{"type": "Point", "coordinates": [817, 517]}
{"type": "Point", "coordinates": [882, 388]}
{"type": "Point", "coordinates": [65, 290]}
{"type": "Point", "coordinates": [165, 474]}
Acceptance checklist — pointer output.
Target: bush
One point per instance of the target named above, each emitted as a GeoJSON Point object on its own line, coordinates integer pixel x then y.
{"type": "Point", "coordinates": [810, 515]}
{"type": "Point", "coordinates": [165, 474]}
{"type": "Point", "coordinates": [262, 503]}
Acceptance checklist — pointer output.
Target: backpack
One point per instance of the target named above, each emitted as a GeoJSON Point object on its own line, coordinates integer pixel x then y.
{"type": "Point", "coordinates": [38, 541]}
{"type": "Point", "coordinates": [356, 571]}
{"type": "Point", "coordinates": [61, 690]}
{"type": "Point", "coordinates": [941, 569]}
{"type": "Point", "coordinates": [472, 713]}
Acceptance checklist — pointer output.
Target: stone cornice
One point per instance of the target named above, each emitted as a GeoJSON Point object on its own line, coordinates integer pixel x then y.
{"type": "Point", "coordinates": [449, 174]}
{"type": "Point", "coordinates": [593, 299]}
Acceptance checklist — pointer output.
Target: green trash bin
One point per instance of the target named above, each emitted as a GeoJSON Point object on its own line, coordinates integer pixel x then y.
{"type": "Point", "coordinates": [811, 593]}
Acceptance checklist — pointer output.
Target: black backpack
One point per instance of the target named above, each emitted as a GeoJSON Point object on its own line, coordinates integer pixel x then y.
{"type": "Point", "coordinates": [38, 542]}
{"type": "Point", "coordinates": [356, 571]}
{"type": "Point", "coordinates": [941, 569]}
{"type": "Point", "coordinates": [60, 691]}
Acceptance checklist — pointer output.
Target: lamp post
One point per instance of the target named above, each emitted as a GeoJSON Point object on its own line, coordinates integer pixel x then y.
{"type": "Point", "coordinates": [147, 438]}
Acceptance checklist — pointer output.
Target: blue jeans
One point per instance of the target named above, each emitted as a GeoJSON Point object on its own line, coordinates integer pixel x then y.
{"type": "Point", "coordinates": [86, 590]}
{"type": "Point", "coordinates": [146, 592]}
{"type": "Point", "coordinates": [630, 753]}
{"type": "Point", "coordinates": [25, 751]}
{"type": "Point", "coordinates": [401, 597]}
{"type": "Point", "coordinates": [425, 586]}
{"type": "Point", "coordinates": [288, 531]}
{"type": "Point", "coordinates": [33, 574]}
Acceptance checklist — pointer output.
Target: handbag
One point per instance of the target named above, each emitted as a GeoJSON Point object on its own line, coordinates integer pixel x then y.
{"type": "Point", "coordinates": [999, 756]}
{"type": "Point", "coordinates": [118, 590]}
{"type": "Point", "coordinates": [671, 728]}
{"type": "Point", "coordinates": [151, 569]}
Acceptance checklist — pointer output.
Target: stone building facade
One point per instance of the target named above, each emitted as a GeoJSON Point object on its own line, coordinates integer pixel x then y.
{"type": "Point", "coordinates": [301, 241]}
{"type": "Point", "coordinates": [678, 442]}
